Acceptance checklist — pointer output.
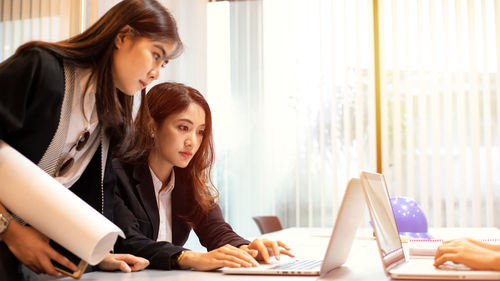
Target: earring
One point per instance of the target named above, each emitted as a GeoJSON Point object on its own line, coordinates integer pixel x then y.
{"type": "Point", "coordinates": [153, 135]}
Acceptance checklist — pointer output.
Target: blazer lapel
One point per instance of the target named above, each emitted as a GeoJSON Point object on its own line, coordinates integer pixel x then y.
{"type": "Point", "coordinates": [146, 193]}
{"type": "Point", "coordinates": [180, 203]}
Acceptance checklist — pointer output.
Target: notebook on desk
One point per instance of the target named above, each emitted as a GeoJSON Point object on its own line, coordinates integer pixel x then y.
{"type": "Point", "coordinates": [389, 244]}
{"type": "Point", "coordinates": [340, 243]}
{"type": "Point", "coordinates": [428, 247]}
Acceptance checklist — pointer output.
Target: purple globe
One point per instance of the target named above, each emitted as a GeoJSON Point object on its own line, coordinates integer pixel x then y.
{"type": "Point", "coordinates": [410, 218]}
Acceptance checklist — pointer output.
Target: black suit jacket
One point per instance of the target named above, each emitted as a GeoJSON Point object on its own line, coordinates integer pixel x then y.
{"type": "Point", "coordinates": [136, 213]}
{"type": "Point", "coordinates": [32, 91]}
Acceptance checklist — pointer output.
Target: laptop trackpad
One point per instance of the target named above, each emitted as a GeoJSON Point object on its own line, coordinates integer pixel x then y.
{"type": "Point", "coordinates": [286, 267]}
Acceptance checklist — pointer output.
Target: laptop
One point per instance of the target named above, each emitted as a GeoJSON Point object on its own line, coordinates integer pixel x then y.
{"type": "Point", "coordinates": [389, 244]}
{"type": "Point", "coordinates": [340, 243]}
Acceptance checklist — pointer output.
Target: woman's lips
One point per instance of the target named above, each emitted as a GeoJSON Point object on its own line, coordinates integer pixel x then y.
{"type": "Point", "coordinates": [186, 154]}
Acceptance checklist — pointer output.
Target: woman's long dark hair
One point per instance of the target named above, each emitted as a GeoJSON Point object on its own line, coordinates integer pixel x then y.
{"type": "Point", "coordinates": [94, 49]}
{"type": "Point", "coordinates": [162, 101]}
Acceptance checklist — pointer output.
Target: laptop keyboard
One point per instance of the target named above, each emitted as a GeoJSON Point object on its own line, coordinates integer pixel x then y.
{"type": "Point", "coordinates": [299, 265]}
{"type": "Point", "coordinates": [453, 266]}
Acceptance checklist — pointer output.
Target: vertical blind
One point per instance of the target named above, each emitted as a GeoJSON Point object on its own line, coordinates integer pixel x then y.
{"type": "Point", "coordinates": [441, 102]}
{"type": "Point", "coordinates": [26, 20]}
{"type": "Point", "coordinates": [291, 92]}
{"type": "Point", "coordinates": [289, 137]}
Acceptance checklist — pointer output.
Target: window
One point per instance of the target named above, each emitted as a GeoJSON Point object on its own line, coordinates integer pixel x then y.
{"type": "Point", "coordinates": [295, 106]}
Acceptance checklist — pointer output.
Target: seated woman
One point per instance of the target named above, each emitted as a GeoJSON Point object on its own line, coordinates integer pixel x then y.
{"type": "Point", "coordinates": [472, 253]}
{"type": "Point", "coordinates": [166, 189]}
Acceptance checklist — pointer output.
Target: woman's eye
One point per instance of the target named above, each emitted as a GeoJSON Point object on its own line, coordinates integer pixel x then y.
{"type": "Point", "coordinates": [164, 64]}
{"type": "Point", "coordinates": [156, 56]}
{"type": "Point", "coordinates": [183, 128]}
{"type": "Point", "coordinates": [201, 132]}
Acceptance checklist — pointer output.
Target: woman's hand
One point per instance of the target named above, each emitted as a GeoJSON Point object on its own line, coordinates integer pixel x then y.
{"type": "Point", "coordinates": [226, 255]}
{"type": "Point", "coordinates": [469, 252]}
{"type": "Point", "coordinates": [262, 249]}
{"type": "Point", "coordinates": [123, 262]}
{"type": "Point", "coordinates": [32, 248]}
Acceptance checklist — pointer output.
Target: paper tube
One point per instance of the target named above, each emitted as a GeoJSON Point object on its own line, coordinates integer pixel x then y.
{"type": "Point", "coordinates": [41, 201]}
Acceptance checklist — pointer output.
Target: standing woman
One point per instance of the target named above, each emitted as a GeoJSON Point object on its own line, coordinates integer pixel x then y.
{"type": "Point", "coordinates": [62, 104]}
{"type": "Point", "coordinates": [167, 191]}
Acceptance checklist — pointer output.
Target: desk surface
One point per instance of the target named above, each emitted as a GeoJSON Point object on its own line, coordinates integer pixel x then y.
{"type": "Point", "coordinates": [363, 262]}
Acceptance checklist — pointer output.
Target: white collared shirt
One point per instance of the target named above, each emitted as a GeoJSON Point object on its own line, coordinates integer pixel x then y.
{"type": "Point", "coordinates": [79, 122]}
{"type": "Point", "coordinates": [164, 202]}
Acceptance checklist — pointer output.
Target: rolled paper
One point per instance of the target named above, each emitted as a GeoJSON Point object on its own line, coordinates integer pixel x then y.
{"type": "Point", "coordinates": [48, 206]}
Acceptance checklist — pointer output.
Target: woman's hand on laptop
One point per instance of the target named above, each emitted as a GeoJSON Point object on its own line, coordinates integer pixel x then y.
{"type": "Point", "coordinates": [226, 255]}
{"type": "Point", "coordinates": [263, 249]}
{"type": "Point", "coordinates": [469, 252]}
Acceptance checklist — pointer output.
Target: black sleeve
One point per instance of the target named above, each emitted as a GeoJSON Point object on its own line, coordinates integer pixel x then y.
{"type": "Point", "coordinates": [214, 232]}
{"type": "Point", "coordinates": [19, 77]}
{"type": "Point", "coordinates": [31, 95]}
{"type": "Point", "coordinates": [211, 229]}
{"type": "Point", "coordinates": [16, 79]}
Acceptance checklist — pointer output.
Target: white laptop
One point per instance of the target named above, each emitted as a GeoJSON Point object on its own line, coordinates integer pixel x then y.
{"type": "Point", "coordinates": [343, 233]}
{"type": "Point", "coordinates": [389, 244]}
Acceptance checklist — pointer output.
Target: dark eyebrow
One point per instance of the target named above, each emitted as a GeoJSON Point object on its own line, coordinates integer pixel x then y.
{"type": "Point", "coordinates": [186, 120]}
{"type": "Point", "coordinates": [162, 50]}
{"type": "Point", "coordinates": [190, 122]}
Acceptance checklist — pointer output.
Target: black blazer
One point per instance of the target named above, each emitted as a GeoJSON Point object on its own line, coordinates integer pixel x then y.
{"type": "Point", "coordinates": [32, 87]}
{"type": "Point", "coordinates": [32, 90]}
{"type": "Point", "coordinates": [136, 213]}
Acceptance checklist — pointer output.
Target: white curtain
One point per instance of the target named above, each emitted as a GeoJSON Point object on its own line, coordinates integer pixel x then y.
{"type": "Point", "coordinates": [293, 101]}
{"type": "Point", "coordinates": [292, 89]}
{"type": "Point", "coordinates": [26, 20]}
{"type": "Point", "coordinates": [441, 107]}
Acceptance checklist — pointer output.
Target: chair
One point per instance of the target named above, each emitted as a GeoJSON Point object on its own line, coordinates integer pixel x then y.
{"type": "Point", "coordinates": [268, 224]}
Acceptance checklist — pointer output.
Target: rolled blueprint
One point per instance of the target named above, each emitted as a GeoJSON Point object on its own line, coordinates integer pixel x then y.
{"type": "Point", "coordinates": [41, 201]}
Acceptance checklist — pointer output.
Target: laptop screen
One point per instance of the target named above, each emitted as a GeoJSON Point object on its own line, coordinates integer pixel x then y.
{"type": "Point", "coordinates": [382, 217]}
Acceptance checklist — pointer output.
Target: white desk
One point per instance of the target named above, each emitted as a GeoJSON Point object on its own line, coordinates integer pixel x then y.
{"type": "Point", "coordinates": [363, 262]}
